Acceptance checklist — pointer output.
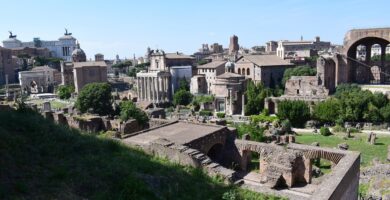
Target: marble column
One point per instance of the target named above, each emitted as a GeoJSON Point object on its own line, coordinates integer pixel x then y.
{"type": "Point", "coordinates": [138, 89]}
{"type": "Point", "coordinates": [153, 90]}
{"type": "Point", "coordinates": [230, 102]}
{"type": "Point", "coordinates": [158, 89]}
{"type": "Point", "coordinates": [144, 88]}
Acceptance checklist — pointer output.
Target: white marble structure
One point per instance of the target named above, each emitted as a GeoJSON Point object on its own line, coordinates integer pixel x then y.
{"type": "Point", "coordinates": [61, 48]}
{"type": "Point", "coordinates": [286, 48]}
{"type": "Point", "coordinates": [159, 82]}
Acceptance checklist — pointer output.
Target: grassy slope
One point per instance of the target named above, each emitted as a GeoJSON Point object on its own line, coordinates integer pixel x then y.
{"type": "Point", "coordinates": [41, 160]}
{"type": "Point", "coordinates": [358, 143]}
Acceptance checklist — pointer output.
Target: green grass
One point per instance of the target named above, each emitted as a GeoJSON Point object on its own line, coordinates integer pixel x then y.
{"type": "Point", "coordinates": [42, 160]}
{"type": "Point", "coordinates": [357, 143]}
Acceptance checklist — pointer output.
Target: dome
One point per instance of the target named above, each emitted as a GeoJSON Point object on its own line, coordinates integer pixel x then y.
{"type": "Point", "coordinates": [229, 66]}
{"type": "Point", "coordinates": [78, 55]}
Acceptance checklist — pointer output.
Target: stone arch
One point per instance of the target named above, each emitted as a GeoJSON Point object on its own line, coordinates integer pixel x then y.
{"type": "Point", "coordinates": [239, 71]}
{"type": "Point", "coordinates": [215, 153]}
{"type": "Point", "coordinates": [248, 72]}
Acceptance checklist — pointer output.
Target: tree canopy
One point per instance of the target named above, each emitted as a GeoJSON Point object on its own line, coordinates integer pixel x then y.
{"type": "Point", "coordinates": [255, 94]}
{"type": "Point", "coordinates": [65, 91]}
{"type": "Point", "coordinates": [95, 98]}
{"type": "Point", "coordinates": [298, 112]}
{"type": "Point", "coordinates": [182, 97]}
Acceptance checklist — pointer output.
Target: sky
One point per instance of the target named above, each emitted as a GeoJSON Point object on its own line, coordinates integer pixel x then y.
{"type": "Point", "coordinates": [127, 27]}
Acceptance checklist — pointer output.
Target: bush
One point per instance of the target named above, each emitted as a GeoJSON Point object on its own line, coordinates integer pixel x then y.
{"type": "Point", "coordinates": [286, 126]}
{"type": "Point", "coordinates": [327, 111]}
{"type": "Point", "coordinates": [325, 131]}
{"type": "Point", "coordinates": [65, 91]}
{"type": "Point", "coordinates": [298, 71]}
{"type": "Point", "coordinates": [129, 110]}
{"type": "Point", "coordinates": [221, 115]}
{"type": "Point", "coordinates": [255, 132]}
{"type": "Point", "coordinates": [95, 97]}
{"type": "Point", "coordinates": [295, 111]}
{"type": "Point", "coordinates": [262, 118]}
{"type": "Point", "coordinates": [338, 129]}
{"type": "Point", "coordinates": [182, 97]}
{"type": "Point", "coordinates": [205, 113]}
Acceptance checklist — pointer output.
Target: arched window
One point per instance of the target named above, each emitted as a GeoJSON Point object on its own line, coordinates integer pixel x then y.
{"type": "Point", "coordinates": [239, 71]}
{"type": "Point", "coordinates": [247, 72]}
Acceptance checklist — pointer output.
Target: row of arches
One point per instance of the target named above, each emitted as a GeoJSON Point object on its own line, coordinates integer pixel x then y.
{"type": "Point", "coordinates": [372, 52]}
{"type": "Point", "coordinates": [242, 71]}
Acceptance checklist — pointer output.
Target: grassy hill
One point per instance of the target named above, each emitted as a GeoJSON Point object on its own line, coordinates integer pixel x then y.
{"type": "Point", "coordinates": [42, 160]}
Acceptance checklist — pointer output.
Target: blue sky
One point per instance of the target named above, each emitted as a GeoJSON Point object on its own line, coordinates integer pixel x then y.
{"type": "Point", "coordinates": [126, 27]}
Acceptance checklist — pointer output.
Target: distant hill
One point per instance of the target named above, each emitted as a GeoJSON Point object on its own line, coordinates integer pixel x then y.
{"type": "Point", "coordinates": [42, 160]}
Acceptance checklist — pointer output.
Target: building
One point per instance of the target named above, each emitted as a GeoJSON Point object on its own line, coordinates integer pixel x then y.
{"type": "Point", "coordinates": [268, 69]}
{"type": "Point", "coordinates": [229, 89]}
{"type": "Point", "coordinates": [39, 80]}
{"type": "Point", "coordinates": [233, 46]}
{"type": "Point", "coordinates": [99, 57]}
{"type": "Point", "coordinates": [161, 80]}
{"type": "Point", "coordinates": [6, 66]}
{"type": "Point", "coordinates": [290, 49]}
{"type": "Point", "coordinates": [88, 72]}
{"type": "Point", "coordinates": [61, 48]}
{"type": "Point", "coordinates": [271, 47]}
{"type": "Point", "coordinates": [209, 72]}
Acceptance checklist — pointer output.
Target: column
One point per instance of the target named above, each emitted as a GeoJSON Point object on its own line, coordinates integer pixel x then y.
{"type": "Point", "coordinates": [368, 52]}
{"type": "Point", "coordinates": [145, 89]}
{"type": "Point", "coordinates": [138, 91]}
{"type": "Point", "coordinates": [308, 169]}
{"type": "Point", "coordinates": [150, 89]}
{"type": "Point", "coordinates": [158, 89]}
{"type": "Point", "coordinates": [383, 62]}
{"type": "Point", "coordinates": [243, 105]}
{"type": "Point", "coordinates": [230, 102]}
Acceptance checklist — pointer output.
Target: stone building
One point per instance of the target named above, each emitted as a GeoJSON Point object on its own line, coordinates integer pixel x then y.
{"type": "Point", "coordinates": [61, 48]}
{"type": "Point", "coordinates": [233, 46]}
{"type": "Point", "coordinates": [38, 80]}
{"type": "Point", "coordinates": [209, 72]}
{"type": "Point", "coordinates": [268, 69]}
{"type": "Point", "coordinates": [229, 89]}
{"type": "Point", "coordinates": [6, 66]}
{"type": "Point", "coordinates": [88, 72]}
{"type": "Point", "coordinates": [161, 80]}
{"type": "Point", "coordinates": [271, 47]}
{"type": "Point", "coordinates": [301, 48]}
{"type": "Point", "coordinates": [99, 57]}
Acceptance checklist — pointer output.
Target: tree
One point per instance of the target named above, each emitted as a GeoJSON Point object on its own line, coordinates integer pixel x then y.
{"type": "Point", "coordinates": [202, 62]}
{"type": "Point", "coordinates": [96, 98]}
{"type": "Point", "coordinates": [295, 111]}
{"type": "Point", "coordinates": [65, 91]}
{"type": "Point", "coordinates": [184, 85]}
{"type": "Point", "coordinates": [255, 95]}
{"type": "Point", "coordinates": [298, 71]}
{"type": "Point", "coordinates": [385, 112]}
{"type": "Point", "coordinates": [122, 65]}
{"type": "Point", "coordinates": [182, 97]}
{"type": "Point", "coordinates": [327, 111]}
{"type": "Point", "coordinates": [129, 110]}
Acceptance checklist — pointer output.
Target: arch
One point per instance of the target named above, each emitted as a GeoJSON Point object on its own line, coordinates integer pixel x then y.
{"type": "Point", "coordinates": [239, 71]}
{"type": "Point", "coordinates": [248, 72]}
{"type": "Point", "coordinates": [243, 71]}
{"type": "Point", "coordinates": [216, 152]}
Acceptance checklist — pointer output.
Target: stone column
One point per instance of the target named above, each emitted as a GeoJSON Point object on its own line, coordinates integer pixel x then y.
{"type": "Point", "coordinates": [308, 169]}
{"type": "Point", "coordinates": [368, 52]}
{"type": "Point", "coordinates": [162, 88]}
{"type": "Point", "coordinates": [243, 105]}
{"type": "Point", "coordinates": [138, 92]}
{"type": "Point", "coordinates": [158, 89]}
{"type": "Point", "coordinates": [153, 91]}
{"type": "Point", "coordinates": [149, 89]}
{"type": "Point", "coordinates": [144, 89]}
{"type": "Point", "coordinates": [230, 102]}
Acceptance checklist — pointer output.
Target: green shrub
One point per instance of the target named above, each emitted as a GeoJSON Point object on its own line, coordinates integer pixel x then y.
{"type": "Point", "coordinates": [205, 113]}
{"type": "Point", "coordinates": [325, 131]}
{"type": "Point", "coordinates": [286, 126]}
{"type": "Point", "coordinates": [65, 91]}
{"type": "Point", "coordinates": [338, 129]}
{"type": "Point", "coordinates": [255, 132]}
{"type": "Point", "coordinates": [129, 110]}
{"type": "Point", "coordinates": [221, 115]}
{"type": "Point", "coordinates": [298, 112]}
{"type": "Point", "coordinates": [263, 118]}
{"type": "Point", "coordinates": [95, 97]}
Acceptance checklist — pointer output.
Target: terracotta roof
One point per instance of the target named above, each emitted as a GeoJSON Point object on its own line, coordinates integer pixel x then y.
{"type": "Point", "coordinates": [213, 64]}
{"type": "Point", "coordinates": [177, 56]}
{"type": "Point", "coordinates": [230, 75]}
{"type": "Point", "coordinates": [89, 64]}
{"type": "Point", "coordinates": [267, 60]}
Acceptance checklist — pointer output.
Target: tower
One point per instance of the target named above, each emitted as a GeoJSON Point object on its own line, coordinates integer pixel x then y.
{"type": "Point", "coordinates": [233, 46]}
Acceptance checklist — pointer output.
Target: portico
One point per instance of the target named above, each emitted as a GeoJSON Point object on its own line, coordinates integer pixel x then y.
{"type": "Point", "coordinates": [153, 86]}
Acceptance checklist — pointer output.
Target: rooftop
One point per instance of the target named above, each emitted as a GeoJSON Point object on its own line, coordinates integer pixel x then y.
{"type": "Point", "coordinates": [267, 60]}
{"type": "Point", "coordinates": [179, 133]}
{"type": "Point", "coordinates": [212, 65]}
{"type": "Point", "coordinates": [89, 64]}
{"type": "Point", "coordinates": [177, 56]}
{"type": "Point", "coordinates": [230, 75]}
